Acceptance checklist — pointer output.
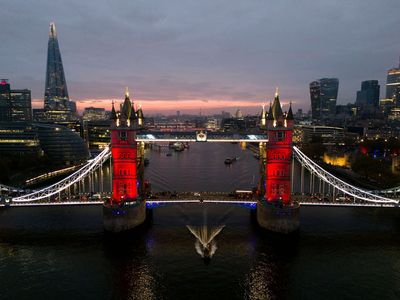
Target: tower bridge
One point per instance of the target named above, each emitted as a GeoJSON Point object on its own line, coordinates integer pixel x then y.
{"type": "Point", "coordinates": [276, 201]}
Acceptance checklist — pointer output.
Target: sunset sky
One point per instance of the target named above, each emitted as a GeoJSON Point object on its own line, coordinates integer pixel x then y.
{"type": "Point", "coordinates": [211, 55]}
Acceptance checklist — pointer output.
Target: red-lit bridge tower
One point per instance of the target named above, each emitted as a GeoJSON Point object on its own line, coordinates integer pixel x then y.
{"type": "Point", "coordinates": [125, 209]}
{"type": "Point", "coordinates": [276, 211]}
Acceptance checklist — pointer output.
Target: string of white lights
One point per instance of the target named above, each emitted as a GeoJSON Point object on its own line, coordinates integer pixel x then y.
{"type": "Point", "coordinates": [92, 165]}
{"type": "Point", "coordinates": [337, 183]}
{"type": "Point", "coordinates": [68, 181]}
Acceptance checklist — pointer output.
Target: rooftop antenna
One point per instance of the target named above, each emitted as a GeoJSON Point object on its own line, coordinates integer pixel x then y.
{"type": "Point", "coordinates": [52, 30]}
{"type": "Point", "coordinates": [126, 92]}
{"type": "Point", "coordinates": [276, 91]}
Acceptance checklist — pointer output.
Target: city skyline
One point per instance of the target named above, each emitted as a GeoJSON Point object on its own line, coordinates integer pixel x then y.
{"type": "Point", "coordinates": [226, 58]}
{"type": "Point", "coordinates": [215, 149]}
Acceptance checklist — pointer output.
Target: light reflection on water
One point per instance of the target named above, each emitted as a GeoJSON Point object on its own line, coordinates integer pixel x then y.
{"type": "Point", "coordinates": [62, 253]}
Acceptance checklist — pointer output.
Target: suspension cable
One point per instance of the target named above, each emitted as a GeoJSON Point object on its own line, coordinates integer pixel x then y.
{"type": "Point", "coordinates": [337, 183]}
{"type": "Point", "coordinates": [62, 185]}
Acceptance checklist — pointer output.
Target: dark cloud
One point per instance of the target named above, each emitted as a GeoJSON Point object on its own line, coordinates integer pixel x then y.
{"type": "Point", "coordinates": [177, 50]}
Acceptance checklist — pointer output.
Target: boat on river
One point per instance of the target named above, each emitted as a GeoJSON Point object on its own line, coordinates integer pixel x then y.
{"type": "Point", "coordinates": [178, 146]}
{"type": "Point", "coordinates": [230, 160]}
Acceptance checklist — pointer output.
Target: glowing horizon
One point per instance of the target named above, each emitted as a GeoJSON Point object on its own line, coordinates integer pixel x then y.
{"type": "Point", "coordinates": [171, 106]}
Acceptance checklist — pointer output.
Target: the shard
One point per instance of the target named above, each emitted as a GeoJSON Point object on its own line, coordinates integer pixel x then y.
{"type": "Point", "coordinates": [56, 101]}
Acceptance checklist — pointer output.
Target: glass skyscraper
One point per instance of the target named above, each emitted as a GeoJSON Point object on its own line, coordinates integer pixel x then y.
{"type": "Point", "coordinates": [56, 101]}
{"type": "Point", "coordinates": [15, 105]}
{"type": "Point", "coordinates": [5, 109]}
{"type": "Point", "coordinates": [393, 85]}
{"type": "Point", "coordinates": [323, 94]}
{"type": "Point", "coordinates": [368, 96]}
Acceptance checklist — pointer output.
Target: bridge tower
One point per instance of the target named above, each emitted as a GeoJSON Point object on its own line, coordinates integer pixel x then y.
{"type": "Point", "coordinates": [275, 210]}
{"type": "Point", "coordinates": [126, 209]}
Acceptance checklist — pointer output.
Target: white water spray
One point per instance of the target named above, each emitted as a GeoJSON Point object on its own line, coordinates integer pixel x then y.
{"type": "Point", "coordinates": [205, 244]}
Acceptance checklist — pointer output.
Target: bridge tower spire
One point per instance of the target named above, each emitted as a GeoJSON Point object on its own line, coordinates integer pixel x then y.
{"type": "Point", "coordinates": [277, 197]}
{"type": "Point", "coordinates": [279, 155]}
{"type": "Point", "coordinates": [125, 209]}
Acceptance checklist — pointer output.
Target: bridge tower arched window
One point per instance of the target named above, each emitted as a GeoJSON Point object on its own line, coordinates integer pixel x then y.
{"type": "Point", "coordinates": [123, 135]}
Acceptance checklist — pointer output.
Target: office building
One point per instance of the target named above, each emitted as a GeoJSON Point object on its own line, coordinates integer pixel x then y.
{"type": "Point", "coordinates": [393, 85]}
{"type": "Point", "coordinates": [328, 135]}
{"type": "Point", "coordinates": [94, 113]}
{"type": "Point", "coordinates": [5, 111]}
{"type": "Point", "coordinates": [57, 105]}
{"type": "Point", "coordinates": [19, 139]}
{"type": "Point", "coordinates": [55, 141]}
{"type": "Point", "coordinates": [323, 94]}
{"type": "Point", "coordinates": [15, 105]}
{"type": "Point", "coordinates": [39, 115]}
{"type": "Point", "coordinates": [368, 97]}
{"type": "Point", "coordinates": [97, 134]}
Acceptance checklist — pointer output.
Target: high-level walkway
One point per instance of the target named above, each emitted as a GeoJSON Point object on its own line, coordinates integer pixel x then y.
{"type": "Point", "coordinates": [200, 136]}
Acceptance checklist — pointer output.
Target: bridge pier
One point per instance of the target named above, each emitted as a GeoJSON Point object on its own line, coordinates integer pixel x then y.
{"type": "Point", "coordinates": [278, 218]}
{"type": "Point", "coordinates": [122, 217]}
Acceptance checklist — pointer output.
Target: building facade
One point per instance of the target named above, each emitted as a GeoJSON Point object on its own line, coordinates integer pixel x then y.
{"type": "Point", "coordinates": [15, 105]}
{"type": "Point", "coordinates": [57, 142]}
{"type": "Point", "coordinates": [5, 112]}
{"type": "Point", "coordinates": [323, 94]}
{"type": "Point", "coordinates": [393, 85]}
{"type": "Point", "coordinates": [19, 139]}
{"type": "Point", "coordinates": [94, 113]}
{"type": "Point", "coordinates": [97, 134]}
{"type": "Point", "coordinates": [368, 97]}
{"type": "Point", "coordinates": [57, 105]}
{"type": "Point", "coordinates": [327, 135]}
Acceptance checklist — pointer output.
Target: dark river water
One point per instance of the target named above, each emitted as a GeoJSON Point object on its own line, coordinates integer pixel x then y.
{"type": "Point", "coordinates": [63, 253]}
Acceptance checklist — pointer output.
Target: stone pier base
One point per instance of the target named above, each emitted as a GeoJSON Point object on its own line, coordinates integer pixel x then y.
{"type": "Point", "coordinates": [119, 218]}
{"type": "Point", "coordinates": [278, 218]}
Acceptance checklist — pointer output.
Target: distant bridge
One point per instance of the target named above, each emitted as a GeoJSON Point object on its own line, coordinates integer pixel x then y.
{"type": "Point", "coordinates": [6, 188]}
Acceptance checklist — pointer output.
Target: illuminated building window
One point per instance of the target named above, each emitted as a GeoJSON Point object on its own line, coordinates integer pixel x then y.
{"type": "Point", "coordinates": [282, 189]}
{"type": "Point", "coordinates": [280, 136]}
{"type": "Point", "coordinates": [122, 135]}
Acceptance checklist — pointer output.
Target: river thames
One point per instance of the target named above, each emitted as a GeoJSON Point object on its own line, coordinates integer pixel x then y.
{"type": "Point", "coordinates": [63, 253]}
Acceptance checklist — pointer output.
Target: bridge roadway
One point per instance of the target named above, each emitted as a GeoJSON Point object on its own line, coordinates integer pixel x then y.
{"type": "Point", "coordinates": [164, 198]}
